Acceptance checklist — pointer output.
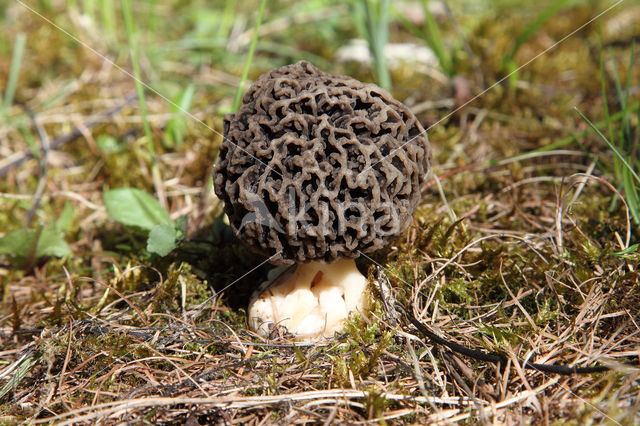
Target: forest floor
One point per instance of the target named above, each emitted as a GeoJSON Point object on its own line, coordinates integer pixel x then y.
{"type": "Point", "coordinates": [525, 243]}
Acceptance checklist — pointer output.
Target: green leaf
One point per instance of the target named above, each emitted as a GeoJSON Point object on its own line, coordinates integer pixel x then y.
{"type": "Point", "coordinates": [133, 207]}
{"type": "Point", "coordinates": [162, 239]}
{"type": "Point", "coordinates": [50, 243]}
{"type": "Point", "coordinates": [64, 221]}
{"type": "Point", "coordinates": [17, 243]}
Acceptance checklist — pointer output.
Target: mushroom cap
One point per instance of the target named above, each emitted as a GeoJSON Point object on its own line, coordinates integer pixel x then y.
{"type": "Point", "coordinates": [316, 166]}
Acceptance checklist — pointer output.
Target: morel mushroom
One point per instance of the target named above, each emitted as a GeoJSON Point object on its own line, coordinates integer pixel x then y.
{"type": "Point", "coordinates": [315, 169]}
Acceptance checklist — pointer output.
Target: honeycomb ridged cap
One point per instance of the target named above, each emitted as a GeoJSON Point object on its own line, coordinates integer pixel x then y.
{"type": "Point", "coordinates": [316, 166]}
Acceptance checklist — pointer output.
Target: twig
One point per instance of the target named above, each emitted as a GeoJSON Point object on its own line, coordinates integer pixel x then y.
{"type": "Point", "coordinates": [496, 358]}
{"type": "Point", "coordinates": [16, 160]}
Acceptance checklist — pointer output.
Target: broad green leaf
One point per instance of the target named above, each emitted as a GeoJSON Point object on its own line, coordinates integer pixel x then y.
{"type": "Point", "coordinates": [162, 239]}
{"type": "Point", "coordinates": [19, 243]}
{"type": "Point", "coordinates": [133, 207]}
{"type": "Point", "coordinates": [51, 243]}
{"type": "Point", "coordinates": [64, 221]}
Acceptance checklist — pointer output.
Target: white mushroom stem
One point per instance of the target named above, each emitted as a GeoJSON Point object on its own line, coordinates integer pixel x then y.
{"type": "Point", "coordinates": [311, 301]}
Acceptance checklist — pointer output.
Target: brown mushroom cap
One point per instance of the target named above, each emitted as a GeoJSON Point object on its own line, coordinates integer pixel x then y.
{"type": "Point", "coordinates": [316, 166]}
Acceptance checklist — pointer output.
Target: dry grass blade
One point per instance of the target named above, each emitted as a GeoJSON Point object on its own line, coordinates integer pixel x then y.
{"type": "Point", "coordinates": [521, 249]}
{"type": "Point", "coordinates": [104, 411]}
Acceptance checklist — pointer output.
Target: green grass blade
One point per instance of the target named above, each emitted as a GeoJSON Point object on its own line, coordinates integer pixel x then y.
{"type": "Point", "coordinates": [152, 15]}
{"type": "Point", "coordinates": [415, 30]}
{"type": "Point", "coordinates": [176, 126]}
{"type": "Point", "coordinates": [532, 28]}
{"type": "Point", "coordinates": [382, 40]}
{"type": "Point", "coordinates": [376, 16]}
{"type": "Point", "coordinates": [616, 79]}
{"type": "Point", "coordinates": [611, 145]}
{"type": "Point", "coordinates": [626, 125]}
{"type": "Point", "coordinates": [570, 139]}
{"type": "Point", "coordinates": [622, 94]}
{"type": "Point", "coordinates": [629, 250]}
{"type": "Point", "coordinates": [132, 38]}
{"type": "Point", "coordinates": [356, 12]}
{"type": "Point", "coordinates": [603, 84]}
{"type": "Point", "coordinates": [227, 18]}
{"type": "Point", "coordinates": [631, 194]}
{"type": "Point", "coordinates": [14, 72]}
{"type": "Point", "coordinates": [108, 15]}
{"type": "Point", "coordinates": [434, 39]}
{"type": "Point", "coordinates": [31, 142]}
{"type": "Point", "coordinates": [247, 63]}
{"type": "Point", "coordinates": [89, 9]}
{"type": "Point", "coordinates": [21, 372]}
{"type": "Point", "coordinates": [610, 131]}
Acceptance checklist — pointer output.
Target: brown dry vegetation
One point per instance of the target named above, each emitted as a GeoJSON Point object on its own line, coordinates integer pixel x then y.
{"type": "Point", "coordinates": [513, 250]}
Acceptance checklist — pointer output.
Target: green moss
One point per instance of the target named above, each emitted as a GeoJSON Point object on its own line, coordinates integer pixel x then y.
{"type": "Point", "coordinates": [234, 318]}
{"type": "Point", "coordinates": [457, 291]}
{"type": "Point", "coordinates": [546, 313]}
{"type": "Point", "coordinates": [503, 338]}
{"type": "Point", "coordinates": [180, 282]}
{"type": "Point", "coordinates": [365, 344]}
{"type": "Point", "coordinates": [123, 168]}
{"type": "Point", "coordinates": [512, 204]}
{"type": "Point", "coordinates": [375, 404]}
